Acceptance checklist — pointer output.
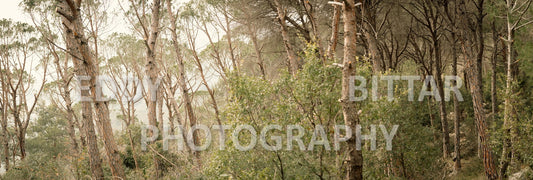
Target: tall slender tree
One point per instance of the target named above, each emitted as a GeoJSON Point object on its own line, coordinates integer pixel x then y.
{"type": "Point", "coordinates": [354, 159]}
{"type": "Point", "coordinates": [78, 45]}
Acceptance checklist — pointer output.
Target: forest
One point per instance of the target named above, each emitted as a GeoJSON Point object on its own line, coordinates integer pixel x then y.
{"type": "Point", "coordinates": [267, 89]}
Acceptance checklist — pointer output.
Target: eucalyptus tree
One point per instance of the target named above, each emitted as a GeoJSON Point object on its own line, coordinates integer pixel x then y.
{"type": "Point", "coordinates": [20, 48]}
{"type": "Point", "coordinates": [125, 84]}
{"type": "Point", "coordinates": [149, 29]}
{"type": "Point", "coordinates": [86, 64]}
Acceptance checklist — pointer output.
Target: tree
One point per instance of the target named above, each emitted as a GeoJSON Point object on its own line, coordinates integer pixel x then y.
{"type": "Point", "coordinates": [332, 46]}
{"type": "Point", "coordinates": [150, 35]}
{"type": "Point", "coordinates": [293, 61]}
{"type": "Point", "coordinates": [426, 13]}
{"type": "Point", "coordinates": [474, 80]}
{"type": "Point", "coordinates": [514, 19]}
{"type": "Point", "coordinates": [125, 87]}
{"type": "Point", "coordinates": [182, 77]}
{"type": "Point", "coordinates": [19, 45]}
{"type": "Point", "coordinates": [78, 45]}
{"type": "Point", "coordinates": [450, 10]}
{"type": "Point", "coordinates": [354, 159]}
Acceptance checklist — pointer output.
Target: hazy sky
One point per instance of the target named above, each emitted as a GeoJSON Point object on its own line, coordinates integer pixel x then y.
{"type": "Point", "coordinates": [9, 9]}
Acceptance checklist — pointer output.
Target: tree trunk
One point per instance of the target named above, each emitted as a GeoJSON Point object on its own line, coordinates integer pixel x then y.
{"type": "Point", "coordinates": [477, 102]}
{"type": "Point", "coordinates": [253, 36]}
{"type": "Point", "coordinates": [22, 143]}
{"type": "Point", "coordinates": [480, 42]}
{"type": "Point", "coordinates": [442, 103]}
{"type": "Point", "coordinates": [113, 156]}
{"type": "Point", "coordinates": [493, 63]}
{"type": "Point", "coordinates": [432, 119]}
{"type": "Point", "coordinates": [230, 44]}
{"type": "Point", "coordinates": [152, 73]}
{"type": "Point", "coordinates": [432, 19]}
{"type": "Point", "coordinates": [456, 109]}
{"type": "Point", "coordinates": [508, 116]}
{"type": "Point", "coordinates": [294, 63]}
{"type": "Point", "coordinates": [18, 126]}
{"type": "Point", "coordinates": [182, 80]}
{"type": "Point", "coordinates": [310, 11]}
{"type": "Point", "coordinates": [5, 136]}
{"type": "Point", "coordinates": [334, 32]}
{"type": "Point", "coordinates": [371, 39]}
{"type": "Point", "coordinates": [354, 161]}
{"type": "Point", "coordinates": [71, 122]}
{"type": "Point", "coordinates": [77, 44]}
{"type": "Point", "coordinates": [161, 123]}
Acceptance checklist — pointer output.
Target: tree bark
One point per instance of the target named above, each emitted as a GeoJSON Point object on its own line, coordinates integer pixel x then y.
{"type": "Point", "coordinates": [182, 79]}
{"type": "Point", "coordinates": [442, 103]}
{"type": "Point", "coordinates": [371, 39]}
{"type": "Point", "coordinates": [230, 44]}
{"type": "Point", "coordinates": [113, 156]}
{"type": "Point", "coordinates": [493, 63]}
{"type": "Point", "coordinates": [5, 133]}
{"type": "Point", "coordinates": [260, 61]}
{"type": "Point", "coordinates": [293, 62]}
{"type": "Point", "coordinates": [456, 108]}
{"type": "Point", "coordinates": [477, 103]}
{"type": "Point", "coordinates": [334, 32]}
{"type": "Point", "coordinates": [78, 45]}
{"type": "Point", "coordinates": [152, 73]}
{"type": "Point", "coordinates": [508, 116]}
{"type": "Point", "coordinates": [354, 161]}
{"type": "Point", "coordinates": [87, 112]}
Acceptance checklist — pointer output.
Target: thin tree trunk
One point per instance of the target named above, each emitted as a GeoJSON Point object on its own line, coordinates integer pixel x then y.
{"type": "Point", "coordinates": [217, 52]}
{"type": "Point", "coordinates": [442, 103]}
{"type": "Point", "coordinates": [161, 123]}
{"type": "Point", "coordinates": [71, 128]}
{"type": "Point", "coordinates": [182, 80]}
{"type": "Point", "coordinates": [480, 43]}
{"type": "Point", "coordinates": [72, 122]}
{"type": "Point", "coordinates": [510, 125]}
{"type": "Point", "coordinates": [456, 109]}
{"type": "Point", "coordinates": [230, 44]}
{"type": "Point", "coordinates": [152, 73]}
{"type": "Point", "coordinates": [5, 136]}
{"type": "Point", "coordinates": [508, 104]}
{"type": "Point", "coordinates": [310, 11]}
{"type": "Point", "coordinates": [293, 62]}
{"type": "Point", "coordinates": [253, 36]}
{"type": "Point", "coordinates": [334, 31]}
{"type": "Point", "coordinates": [19, 131]}
{"type": "Point", "coordinates": [432, 119]}
{"type": "Point", "coordinates": [171, 116]}
{"type": "Point", "coordinates": [371, 39]}
{"type": "Point", "coordinates": [3, 120]}
{"type": "Point", "coordinates": [133, 150]}
{"type": "Point", "coordinates": [205, 83]}
{"type": "Point", "coordinates": [354, 161]}
{"type": "Point", "coordinates": [493, 90]}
